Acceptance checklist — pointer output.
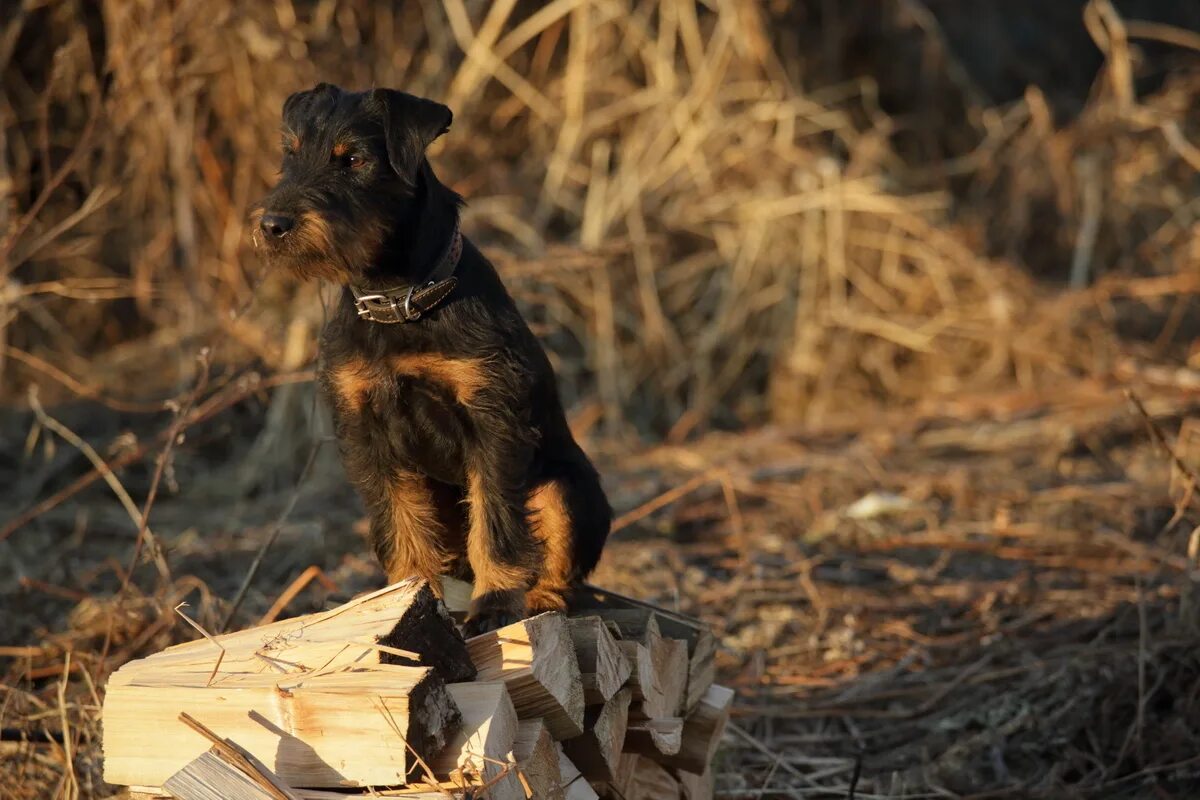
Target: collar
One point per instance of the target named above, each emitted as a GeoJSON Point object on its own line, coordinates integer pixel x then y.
{"type": "Point", "coordinates": [408, 303]}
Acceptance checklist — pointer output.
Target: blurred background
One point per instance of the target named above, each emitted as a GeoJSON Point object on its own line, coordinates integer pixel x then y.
{"type": "Point", "coordinates": [877, 315]}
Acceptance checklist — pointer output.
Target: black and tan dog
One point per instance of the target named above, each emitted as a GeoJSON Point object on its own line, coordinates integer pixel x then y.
{"type": "Point", "coordinates": [444, 403]}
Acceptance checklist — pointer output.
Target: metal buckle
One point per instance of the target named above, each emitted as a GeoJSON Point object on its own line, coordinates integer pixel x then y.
{"type": "Point", "coordinates": [368, 313]}
{"type": "Point", "coordinates": [409, 314]}
{"type": "Point", "coordinates": [360, 303]}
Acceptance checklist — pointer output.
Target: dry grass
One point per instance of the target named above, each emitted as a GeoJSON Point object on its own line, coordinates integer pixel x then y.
{"type": "Point", "coordinates": [717, 216]}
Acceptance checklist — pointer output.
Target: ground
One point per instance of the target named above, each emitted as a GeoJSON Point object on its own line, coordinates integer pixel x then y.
{"type": "Point", "coordinates": [989, 598]}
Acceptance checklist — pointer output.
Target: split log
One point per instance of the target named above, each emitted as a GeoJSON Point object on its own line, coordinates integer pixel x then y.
{"type": "Point", "coordinates": [619, 786]}
{"type": "Point", "coordinates": [387, 626]}
{"type": "Point", "coordinates": [603, 667]}
{"type": "Point", "coordinates": [482, 752]}
{"type": "Point", "coordinates": [225, 771]}
{"type": "Point", "coordinates": [668, 656]}
{"type": "Point", "coordinates": [575, 786]}
{"type": "Point", "coordinates": [654, 737]}
{"type": "Point", "coordinates": [341, 729]}
{"type": "Point", "coordinates": [210, 777]}
{"type": "Point", "coordinates": [696, 787]}
{"type": "Point", "coordinates": [536, 661]}
{"type": "Point", "coordinates": [643, 680]}
{"type": "Point", "coordinates": [319, 699]}
{"type": "Point", "coordinates": [538, 760]}
{"type": "Point", "coordinates": [650, 781]}
{"type": "Point", "coordinates": [597, 753]}
{"type": "Point", "coordinates": [699, 638]}
{"type": "Point", "coordinates": [456, 595]}
{"type": "Point", "coordinates": [673, 675]}
{"type": "Point", "coordinates": [702, 731]}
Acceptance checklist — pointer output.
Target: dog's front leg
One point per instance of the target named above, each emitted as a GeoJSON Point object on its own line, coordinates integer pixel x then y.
{"type": "Point", "coordinates": [501, 548]}
{"type": "Point", "coordinates": [406, 531]}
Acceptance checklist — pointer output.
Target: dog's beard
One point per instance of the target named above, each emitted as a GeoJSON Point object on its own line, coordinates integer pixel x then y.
{"type": "Point", "coordinates": [314, 250]}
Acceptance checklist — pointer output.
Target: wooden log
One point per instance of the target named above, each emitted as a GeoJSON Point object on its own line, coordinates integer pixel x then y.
{"type": "Point", "coordinates": [603, 668]}
{"type": "Point", "coordinates": [340, 729]}
{"type": "Point", "coordinates": [456, 595]}
{"type": "Point", "coordinates": [437, 792]}
{"type": "Point", "coordinates": [481, 754]}
{"type": "Point", "coordinates": [698, 635]}
{"type": "Point", "coordinates": [669, 656]}
{"type": "Point", "coordinates": [651, 781]}
{"type": "Point", "coordinates": [696, 787]}
{"type": "Point", "coordinates": [536, 660]}
{"type": "Point", "coordinates": [210, 777]}
{"type": "Point", "coordinates": [377, 628]}
{"type": "Point", "coordinates": [575, 786]}
{"type": "Point", "coordinates": [654, 737]}
{"type": "Point", "coordinates": [659, 674]}
{"type": "Point", "coordinates": [702, 730]}
{"type": "Point", "coordinates": [538, 760]}
{"type": "Point", "coordinates": [619, 786]}
{"type": "Point", "coordinates": [644, 681]}
{"type": "Point", "coordinates": [597, 753]}
{"type": "Point", "coordinates": [673, 675]}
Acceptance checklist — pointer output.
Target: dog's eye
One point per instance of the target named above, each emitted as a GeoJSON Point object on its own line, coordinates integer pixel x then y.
{"type": "Point", "coordinates": [354, 161]}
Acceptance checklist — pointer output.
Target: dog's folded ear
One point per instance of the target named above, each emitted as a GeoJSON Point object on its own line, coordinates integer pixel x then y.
{"type": "Point", "coordinates": [410, 124]}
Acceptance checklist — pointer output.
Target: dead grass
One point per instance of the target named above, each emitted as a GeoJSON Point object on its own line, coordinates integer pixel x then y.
{"type": "Point", "coordinates": [954, 566]}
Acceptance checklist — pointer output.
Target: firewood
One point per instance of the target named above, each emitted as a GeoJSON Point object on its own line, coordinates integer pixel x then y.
{"type": "Point", "coordinates": [536, 660]}
{"type": "Point", "coordinates": [481, 752]}
{"type": "Point", "coordinates": [320, 699]}
{"type": "Point", "coordinates": [696, 787]}
{"type": "Point", "coordinates": [668, 662]}
{"type": "Point", "coordinates": [340, 729]}
{"type": "Point", "coordinates": [654, 737]}
{"type": "Point", "coordinates": [699, 638]}
{"type": "Point", "coordinates": [618, 788]}
{"type": "Point", "coordinates": [387, 626]}
{"type": "Point", "coordinates": [702, 731]}
{"type": "Point", "coordinates": [456, 595]}
{"type": "Point", "coordinates": [598, 751]}
{"type": "Point", "coordinates": [575, 786]}
{"type": "Point", "coordinates": [673, 675]}
{"type": "Point", "coordinates": [537, 760]}
{"type": "Point", "coordinates": [644, 681]}
{"type": "Point", "coordinates": [604, 669]}
{"type": "Point", "coordinates": [650, 781]}
{"type": "Point", "coordinates": [210, 777]}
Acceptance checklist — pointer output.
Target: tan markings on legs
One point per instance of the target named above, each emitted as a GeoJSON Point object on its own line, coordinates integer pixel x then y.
{"type": "Point", "coordinates": [415, 548]}
{"type": "Point", "coordinates": [490, 575]}
{"type": "Point", "coordinates": [551, 523]}
{"type": "Point", "coordinates": [463, 377]}
{"type": "Point", "coordinates": [352, 382]}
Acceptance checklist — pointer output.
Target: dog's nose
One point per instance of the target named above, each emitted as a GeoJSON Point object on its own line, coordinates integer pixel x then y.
{"type": "Point", "coordinates": [276, 226]}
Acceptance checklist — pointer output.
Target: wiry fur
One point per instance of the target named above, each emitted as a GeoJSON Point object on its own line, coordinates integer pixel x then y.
{"type": "Point", "coordinates": [459, 409]}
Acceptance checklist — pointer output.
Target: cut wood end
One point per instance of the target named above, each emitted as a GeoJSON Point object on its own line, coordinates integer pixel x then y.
{"type": "Point", "coordinates": [536, 659]}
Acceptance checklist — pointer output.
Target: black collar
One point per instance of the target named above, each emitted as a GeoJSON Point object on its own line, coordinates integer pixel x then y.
{"type": "Point", "coordinates": [408, 303]}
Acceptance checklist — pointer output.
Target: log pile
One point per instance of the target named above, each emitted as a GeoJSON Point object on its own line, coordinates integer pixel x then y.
{"type": "Point", "coordinates": [381, 697]}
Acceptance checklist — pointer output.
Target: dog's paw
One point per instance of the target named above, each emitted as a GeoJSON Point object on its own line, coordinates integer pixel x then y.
{"type": "Point", "coordinates": [539, 600]}
{"type": "Point", "coordinates": [493, 611]}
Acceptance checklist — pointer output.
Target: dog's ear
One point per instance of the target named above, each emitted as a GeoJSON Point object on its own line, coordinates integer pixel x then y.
{"type": "Point", "coordinates": [301, 102]}
{"type": "Point", "coordinates": [410, 124]}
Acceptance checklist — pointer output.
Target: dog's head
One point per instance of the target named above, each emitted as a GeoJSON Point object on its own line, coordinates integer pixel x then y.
{"type": "Point", "coordinates": [352, 181]}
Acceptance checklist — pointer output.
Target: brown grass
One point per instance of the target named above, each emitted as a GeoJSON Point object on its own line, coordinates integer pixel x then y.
{"type": "Point", "coordinates": [947, 556]}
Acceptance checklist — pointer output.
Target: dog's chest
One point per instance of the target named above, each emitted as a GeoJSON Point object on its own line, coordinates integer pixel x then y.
{"type": "Point", "coordinates": [407, 411]}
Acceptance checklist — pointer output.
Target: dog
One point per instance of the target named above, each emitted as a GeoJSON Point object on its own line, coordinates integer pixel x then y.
{"type": "Point", "coordinates": [445, 406]}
